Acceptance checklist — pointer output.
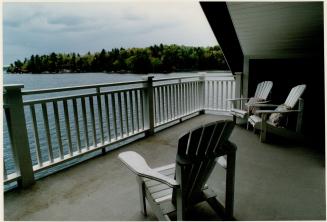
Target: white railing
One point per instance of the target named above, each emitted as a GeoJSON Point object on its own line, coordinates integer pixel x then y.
{"type": "Point", "coordinates": [218, 91]}
{"type": "Point", "coordinates": [46, 132]}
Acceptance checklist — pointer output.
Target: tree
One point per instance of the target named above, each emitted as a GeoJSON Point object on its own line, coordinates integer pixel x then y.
{"type": "Point", "coordinates": [159, 59]}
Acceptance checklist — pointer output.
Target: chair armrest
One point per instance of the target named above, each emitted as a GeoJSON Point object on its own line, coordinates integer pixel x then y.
{"type": "Point", "coordinates": [264, 105]}
{"type": "Point", "coordinates": [260, 102]}
{"type": "Point", "coordinates": [222, 161]}
{"type": "Point", "coordinates": [137, 165]}
{"type": "Point", "coordinates": [236, 99]}
{"type": "Point", "coordinates": [276, 111]}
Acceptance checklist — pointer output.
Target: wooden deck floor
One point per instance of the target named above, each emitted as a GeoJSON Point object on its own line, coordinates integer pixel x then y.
{"type": "Point", "coordinates": [274, 181]}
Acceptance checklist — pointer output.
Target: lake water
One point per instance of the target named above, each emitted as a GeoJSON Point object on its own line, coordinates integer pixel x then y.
{"type": "Point", "coordinates": [40, 81]}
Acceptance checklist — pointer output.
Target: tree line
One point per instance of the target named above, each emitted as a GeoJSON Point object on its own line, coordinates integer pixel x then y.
{"type": "Point", "coordinates": [154, 59]}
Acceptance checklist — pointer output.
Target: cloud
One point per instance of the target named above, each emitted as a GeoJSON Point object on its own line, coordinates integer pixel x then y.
{"type": "Point", "coordinates": [39, 28]}
{"type": "Point", "coordinates": [67, 20]}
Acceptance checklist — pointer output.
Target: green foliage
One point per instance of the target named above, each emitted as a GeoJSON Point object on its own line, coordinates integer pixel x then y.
{"type": "Point", "coordinates": [156, 59]}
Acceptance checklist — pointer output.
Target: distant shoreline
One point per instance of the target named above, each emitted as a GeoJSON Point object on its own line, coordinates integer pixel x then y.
{"type": "Point", "coordinates": [122, 73]}
{"type": "Point", "coordinates": [154, 59]}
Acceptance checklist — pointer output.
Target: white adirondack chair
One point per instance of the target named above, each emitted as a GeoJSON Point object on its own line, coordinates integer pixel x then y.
{"type": "Point", "coordinates": [177, 187]}
{"type": "Point", "coordinates": [261, 118]}
{"type": "Point", "coordinates": [260, 96]}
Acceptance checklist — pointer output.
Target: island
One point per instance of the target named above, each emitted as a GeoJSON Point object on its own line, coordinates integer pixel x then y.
{"type": "Point", "coordinates": [154, 59]}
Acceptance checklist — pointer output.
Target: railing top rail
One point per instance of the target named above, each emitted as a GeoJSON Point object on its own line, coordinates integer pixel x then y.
{"type": "Point", "coordinates": [71, 88]}
{"type": "Point", "coordinates": [61, 89]}
{"type": "Point", "coordinates": [195, 76]}
{"type": "Point", "coordinates": [174, 78]}
{"type": "Point", "coordinates": [59, 98]}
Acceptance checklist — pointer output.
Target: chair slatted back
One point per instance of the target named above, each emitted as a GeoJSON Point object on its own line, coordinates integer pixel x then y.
{"type": "Point", "coordinates": [263, 90]}
{"type": "Point", "coordinates": [197, 152]}
{"type": "Point", "coordinates": [294, 95]}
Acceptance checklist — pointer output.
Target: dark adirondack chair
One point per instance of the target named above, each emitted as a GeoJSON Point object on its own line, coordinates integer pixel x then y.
{"type": "Point", "coordinates": [260, 97]}
{"type": "Point", "coordinates": [177, 187]}
{"type": "Point", "coordinates": [261, 118]}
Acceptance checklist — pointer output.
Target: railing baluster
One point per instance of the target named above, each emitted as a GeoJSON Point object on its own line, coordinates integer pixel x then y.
{"type": "Point", "coordinates": [224, 94]}
{"type": "Point", "coordinates": [126, 113]}
{"type": "Point", "coordinates": [58, 130]}
{"type": "Point", "coordinates": [159, 105]}
{"type": "Point", "coordinates": [215, 96]}
{"type": "Point", "coordinates": [131, 98]}
{"type": "Point", "coordinates": [197, 95]}
{"type": "Point", "coordinates": [184, 99]}
{"type": "Point", "coordinates": [86, 132]}
{"type": "Point", "coordinates": [190, 97]}
{"type": "Point", "coordinates": [106, 102]}
{"type": "Point", "coordinates": [142, 107]}
{"type": "Point", "coordinates": [69, 138]}
{"type": "Point", "coordinates": [95, 143]}
{"type": "Point", "coordinates": [175, 99]}
{"type": "Point", "coordinates": [166, 103]}
{"type": "Point", "coordinates": [120, 116]}
{"type": "Point", "coordinates": [195, 89]}
{"type": "Point", "coordinates": [137, 110]}
{"type": "Point", "coordinates": [162, 104]}
{"type": "Point", "coordinates": [207, 94]}
{"type": "Point", "coordinates": [221, 95]}
{"type": "Point", "coordinates": [217, 93]}
{"type": "Point", "coordinates": [78, 136]}
{"type": "Point", "coordinates": [47, 130]}
{"type": "Point", "coordinates": [179, 99]}
{"type": "Point", "coordinates": [233, 90]}
{"type": "Point", "coordinates": [100, 115]}
{"type": "Point", "coordinates": [212, 95]}
{"type": "Point", "coordinates": [36, 136]}
{"type": "Point", "coordinates": [173, 104]}
{"type": "Point", "coordinates": [113, 102]}
{"type": "Point", "coordinates": [155, 102]}
{"type": "Point", "coordinates": [193, 96]}
{"type": "Point", "coordinates": [228, 94]}
{"type": "Point", "coordinates": [171, 101]}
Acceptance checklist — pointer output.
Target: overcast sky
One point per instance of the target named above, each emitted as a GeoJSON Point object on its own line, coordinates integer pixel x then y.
{"type": "Point", "coordinates": [42, 28]}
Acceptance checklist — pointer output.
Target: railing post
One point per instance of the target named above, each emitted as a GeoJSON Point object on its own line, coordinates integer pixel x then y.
{"type": "Point", "coordinates": [238, 87]}
{"type": "Point", "coordinates": [202, 94]}
{"type": "Point", "coordinates": [148, 105]}
{"type": "Point", "coordinates": [18, 134]}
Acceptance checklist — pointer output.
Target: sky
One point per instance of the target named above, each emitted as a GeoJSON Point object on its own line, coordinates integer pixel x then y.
{"type": "Point", "coordinates": [42, 28]}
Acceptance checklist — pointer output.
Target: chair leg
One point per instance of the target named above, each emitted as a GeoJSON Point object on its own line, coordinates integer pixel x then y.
{"type": "Point", "coordinates": [230, 183]}
{"type": "Point", "coordinates": [142, 195]}
{"type": "Point", "coordinates": [263, 131]}
{"type": "Point", "coordinates": [180, 208]}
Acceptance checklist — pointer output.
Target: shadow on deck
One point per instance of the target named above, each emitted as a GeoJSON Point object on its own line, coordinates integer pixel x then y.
{"type": "Point", "coordinates": [273, 182]}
